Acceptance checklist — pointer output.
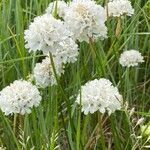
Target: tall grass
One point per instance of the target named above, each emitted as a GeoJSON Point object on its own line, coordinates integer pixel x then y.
{"type": "Point", "coordinates": [58, 122]}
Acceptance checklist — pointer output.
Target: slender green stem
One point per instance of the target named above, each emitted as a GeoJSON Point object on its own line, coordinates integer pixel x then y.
{"type": "Point", "coordinates": [14, 123]}
{"type": "Point", "coordinates": [118, 28]}
{"type": "Point", "coordinates": [102, 137]}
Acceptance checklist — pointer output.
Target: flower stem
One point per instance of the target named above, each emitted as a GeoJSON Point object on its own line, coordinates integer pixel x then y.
{"type": "Point", "coordinates": [14, 123]}
{"type": "Point", "coordinates": [92, 48]}
{"type": "Point", "coordinates": [118, 28]}
{"type": "Point", "coordinates": [21, 121]}
{"type": "Point", "coordinates": [106, 4]}
{"type": "Point", "coordinates": [102, 138]}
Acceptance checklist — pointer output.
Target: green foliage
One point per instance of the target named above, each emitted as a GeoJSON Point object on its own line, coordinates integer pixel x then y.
{"type": "Point", "coordinates": [58, 122]}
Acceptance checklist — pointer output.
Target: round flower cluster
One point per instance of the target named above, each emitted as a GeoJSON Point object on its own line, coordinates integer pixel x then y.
{"type": "Point", "coordinates": [44, 73]}
{"type": "Point", "coordinates": [51, 36]}
{"type": "Point", "coordinates": [61, 7]}
{"type": "Point", "coordinates": [19, 97]}
{"type": "Point", "coordinates": [130, 58]}
{"type": "Point", "coordinates": [99, 95]}
{"type": "Point", "coordinates": [86, 20]}
{"type": "Point", "coordinates": [118, 8]}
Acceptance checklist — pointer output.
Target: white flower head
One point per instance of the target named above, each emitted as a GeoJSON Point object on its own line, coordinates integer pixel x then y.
{"type": "Point", "coordinates": [44, 73]}
{"type": "Point", "coordinates": [51, 36]}
{"type": "Point", "coordinates": [99, 95]}
{"type": "Point", "coordinates": [61, 8]}
{"type": "Point", "coordinates": [86, 20]}
{"type": "Point", "coordinates": [131, 58]}
{"type": "Point", "coordinates": [119, 8]}
{"type": "Point", "coordinates": [19, 97]}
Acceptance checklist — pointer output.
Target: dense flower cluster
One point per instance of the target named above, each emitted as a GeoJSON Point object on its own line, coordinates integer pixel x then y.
{"type": "Point", "coordinates": [99, 95]}
{"type": "Point", "coordinates": [86, 20]}
{"type": "Point", "coordinates": [19, 97]}
{"type": "Point", "coordinates": [131, 58]}
{"type": "Point", "coordinates": [118, 8]}
{"type": "Point", "coordinates": [60, 6]}
{"type": "Point", "coordinates": [44, 73]}
{"type": "Point", "coordinates": [51, 36]}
